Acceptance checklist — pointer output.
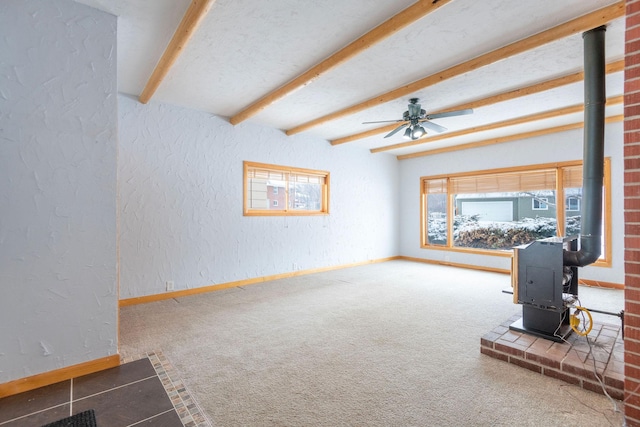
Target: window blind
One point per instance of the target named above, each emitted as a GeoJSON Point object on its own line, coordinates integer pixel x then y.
{"type": "Point", "coordinates": [285, 176]}
{"type": "Point", "coordinates": [572, 177]}
{"type": "Point", "coordinates": [435, 186]}
{"type": "Point", "coordinates": [307, 179]}
{"type": "Point", "coordinates": [267, 174]}
{"type": "Point", "coordinates": [544, 179]}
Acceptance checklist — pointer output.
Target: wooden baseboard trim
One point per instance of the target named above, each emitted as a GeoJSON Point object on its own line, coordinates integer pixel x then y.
{"type": "Point", "coordinates": [211, 288]}
{"type": "Point", "coordinates": [599, 284]}
{"type": "Point", "coordinates": [586, 282]}
{"type": "Point", "coordinates": [205, 289]}
{"type": "Point", "coordinates": [455, 264]}
{"type": "Point", "coordinates": [52, 377]}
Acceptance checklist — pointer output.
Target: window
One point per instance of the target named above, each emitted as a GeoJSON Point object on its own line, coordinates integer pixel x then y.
{"type": "Point", "coordinates": [492, 211]}
{"type": "Point", "coordinates": [573, 203]}
{"type": "Point", "coordinates": [539, 204]}
{"type": "Point", "coordinates": [437, 211]}
{"type": "Point", "coordinates": [283, 190]}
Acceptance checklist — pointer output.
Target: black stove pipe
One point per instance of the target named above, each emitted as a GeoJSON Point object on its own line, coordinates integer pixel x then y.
{"type": "Point", "coordinates": [593, 156]}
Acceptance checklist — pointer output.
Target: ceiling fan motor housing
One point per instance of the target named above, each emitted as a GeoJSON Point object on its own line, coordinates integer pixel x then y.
{"type": "Point", "coordinates": [414, 110]}
{"type": "Point", "coordinates": [415, 118]}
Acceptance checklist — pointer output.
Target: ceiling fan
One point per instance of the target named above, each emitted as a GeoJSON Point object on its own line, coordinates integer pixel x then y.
{"type": "Point", "coordinates": [416, 119]}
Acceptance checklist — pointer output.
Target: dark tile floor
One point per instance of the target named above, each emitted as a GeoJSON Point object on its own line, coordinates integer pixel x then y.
{"type": "Point", "coordinates": [133, 393]}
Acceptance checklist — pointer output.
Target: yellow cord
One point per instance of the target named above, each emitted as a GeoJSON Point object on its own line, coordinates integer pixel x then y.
{"type": "Point", "coordinates": [575, 322]}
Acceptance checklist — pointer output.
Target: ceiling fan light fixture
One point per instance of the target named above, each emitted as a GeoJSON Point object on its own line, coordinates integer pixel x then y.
{"type": "Point", "coordinates": [418, 131]}
{"type": "Point", "coordinates": [413, 118]}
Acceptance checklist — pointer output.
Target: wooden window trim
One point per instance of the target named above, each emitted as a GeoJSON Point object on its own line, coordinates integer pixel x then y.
{"type": "Point", "coordinates": [558, 166]}
{"type": "Point", "coordinates": [247, 166]}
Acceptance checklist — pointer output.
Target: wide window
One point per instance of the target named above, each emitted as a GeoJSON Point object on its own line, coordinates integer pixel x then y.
{"type": "Point", "coordinates": [283, 190]}
{"type": "Point", "coordinates": [493, 211]}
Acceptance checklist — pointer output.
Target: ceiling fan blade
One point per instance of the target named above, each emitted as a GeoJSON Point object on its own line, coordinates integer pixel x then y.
{"type": "Point", "coordinates": [426, 123]}
{"type": "Point", "coordinates": [450, 114]}
{"type": "Point", "coordinates": [383, 121]}
{"type": "Point", "coordinates": [398, 129]}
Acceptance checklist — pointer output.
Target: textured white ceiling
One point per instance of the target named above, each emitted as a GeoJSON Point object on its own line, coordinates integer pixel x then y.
{"type": "Point", "coordinates": [245, 49]}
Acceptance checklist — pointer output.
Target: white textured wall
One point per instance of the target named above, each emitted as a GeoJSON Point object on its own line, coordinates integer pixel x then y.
{"type": "Point", "coordinates": [180, 177]}
{"type": "Point", "coordinates": [558, 147]}
{"type": "Point", "coordinates": [58, 133]}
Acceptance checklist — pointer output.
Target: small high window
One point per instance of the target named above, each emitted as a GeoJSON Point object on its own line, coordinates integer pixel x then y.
{"type": "Point", "coordinates": [284, 190]}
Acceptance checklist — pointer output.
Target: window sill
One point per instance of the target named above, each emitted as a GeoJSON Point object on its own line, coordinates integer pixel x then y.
{"type": "Point", "coordinates": [499, 253]}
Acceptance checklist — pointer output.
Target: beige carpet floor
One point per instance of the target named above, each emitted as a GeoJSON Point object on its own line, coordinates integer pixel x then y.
{"type": "Point", "coordinates": [389, 344]}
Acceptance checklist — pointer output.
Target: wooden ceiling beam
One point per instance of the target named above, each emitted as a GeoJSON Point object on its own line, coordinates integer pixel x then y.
{"type": "Point", "coordinates": [580, 24]}
{"type": "Point", "coordinates": [399, 21]}
{"type": "Point", "coordinates": [613, 67]}
{"type": "Point", "coordinates": [497, 125]}
{"type": "Point", "coordinates": [508, 138]}
{"type": "Point", "coordinates": [192, 18]}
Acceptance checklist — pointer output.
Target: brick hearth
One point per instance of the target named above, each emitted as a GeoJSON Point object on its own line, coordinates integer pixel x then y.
{"type": "Point", "coordinates": [569, 361]}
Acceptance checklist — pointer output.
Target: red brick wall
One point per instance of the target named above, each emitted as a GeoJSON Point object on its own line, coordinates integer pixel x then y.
{"type": "Point", "coordinates": [632, 212]}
